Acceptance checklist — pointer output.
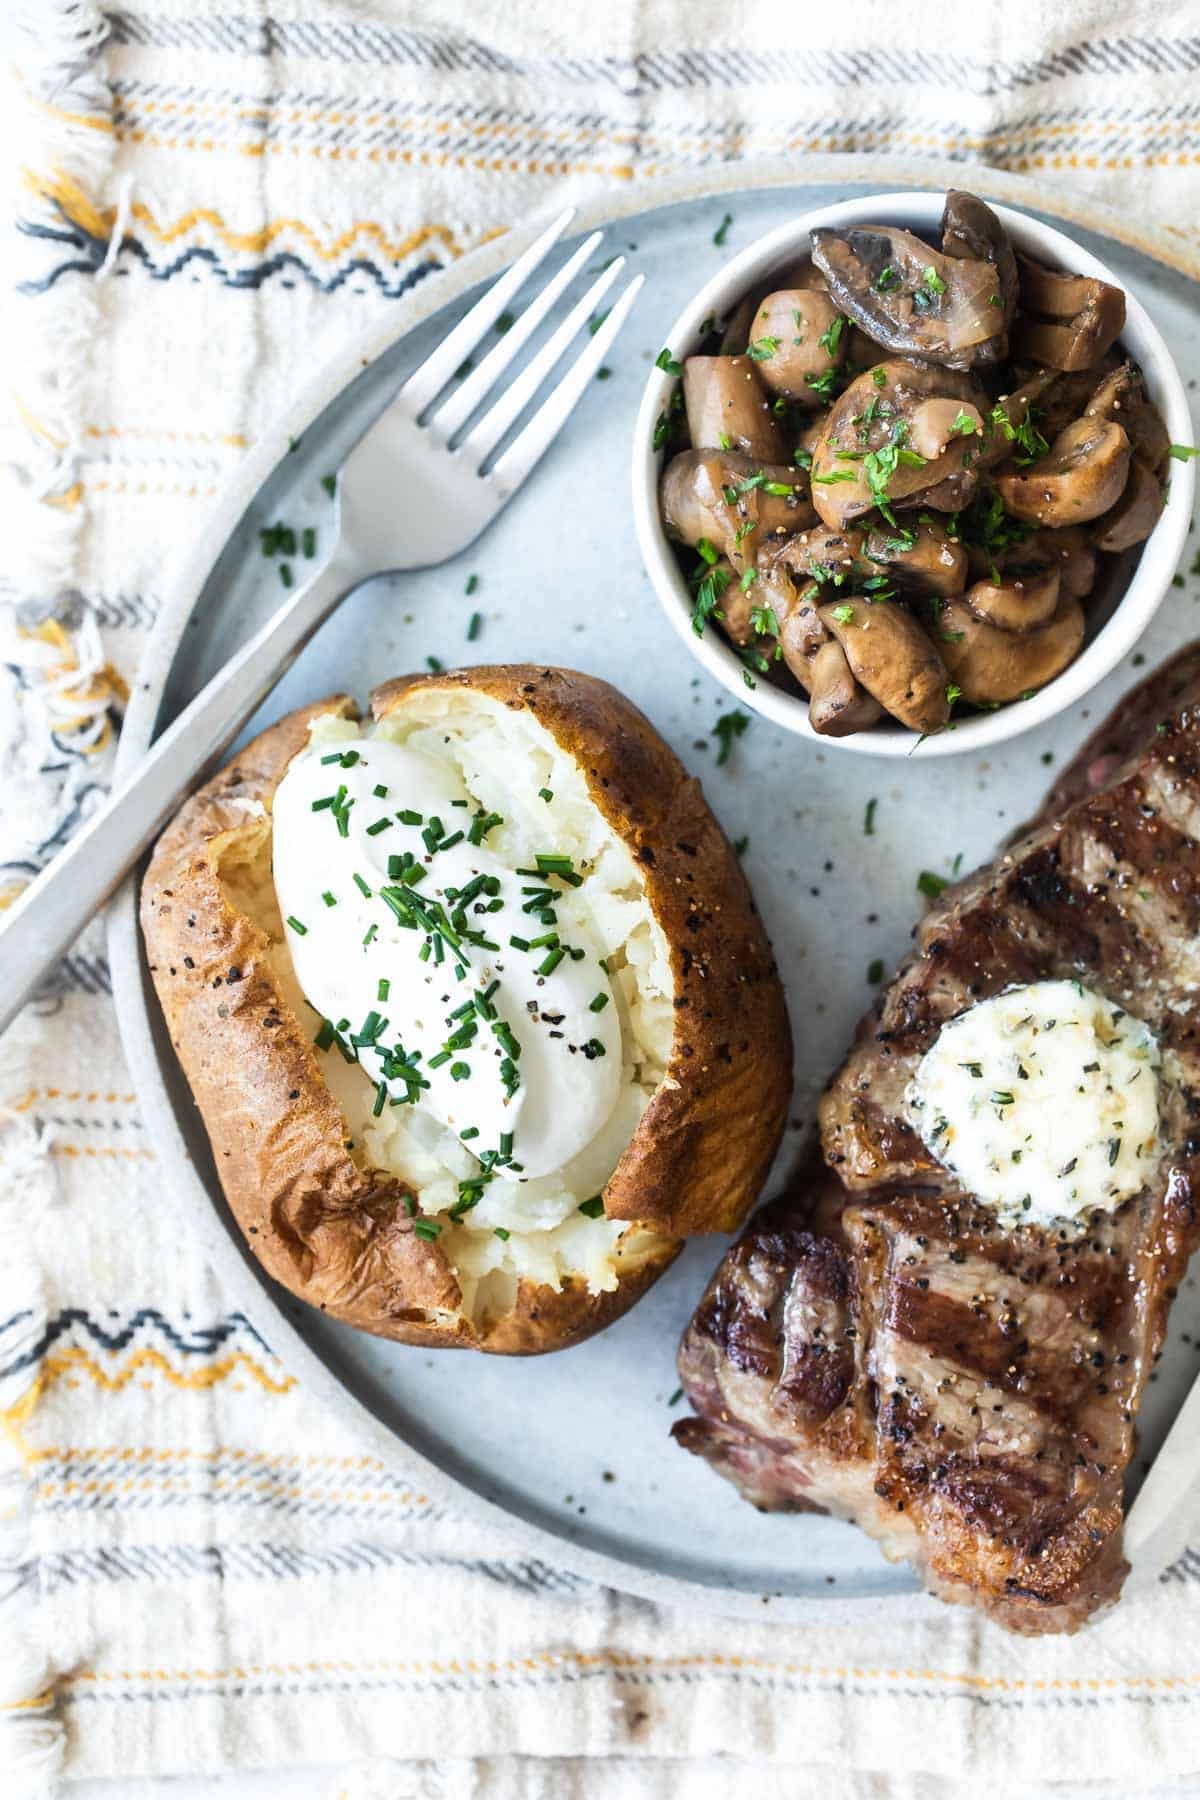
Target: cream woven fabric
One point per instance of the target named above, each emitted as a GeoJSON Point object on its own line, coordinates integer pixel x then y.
{"type": "Point", "coordinates": [203, 1572]}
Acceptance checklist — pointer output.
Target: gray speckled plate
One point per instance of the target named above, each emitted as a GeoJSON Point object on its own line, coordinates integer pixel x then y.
{"type": "Point", "coordinates": [571, 1452]}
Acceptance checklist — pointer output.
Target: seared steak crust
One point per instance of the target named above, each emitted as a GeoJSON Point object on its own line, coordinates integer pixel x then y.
{"type": "Point", "coordinates": [877, 1345]}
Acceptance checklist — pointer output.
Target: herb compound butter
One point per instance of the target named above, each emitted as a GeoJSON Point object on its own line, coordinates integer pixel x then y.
{"type": "Point", "coordinates": [1043, 1102]}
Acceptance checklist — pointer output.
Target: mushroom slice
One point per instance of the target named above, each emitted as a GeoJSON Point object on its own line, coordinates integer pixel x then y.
{"type": "Point", "coordinates": [1067, 551]}
{"type": "Point", "coordinates": [936, 424]}
{"type": "Point", "coordinates": [729, 408]}
{"type": "Point", "coordinates": [863, 459]}
{"type": "Point", "coordinates": [921, 557]}
{"type": "Point", "coordinates": [1074, 319]}
{"type": "Point", "coordinates": [797, 342]}
{"type": "Point", "coordinates": [837, 705]}
{"type": "Point", "coordinates": [732, 502]}
{"type": "Point", "coordinates": [893, 659]}
{"type": "Point", "coordinates": [801, 633]}
{"type": "Point", "coordinates": [971, 229]}
{"type": "Point", "coordinates": [831, 558]}
{"type": "Point", "coordinates": [1136, 513]}
{"type": "Point", "coordinates": [1121, 396]}
{"type": "Point", "coordinates": [1019, 603]}
{"type": "Point", "coordinates": [1080, 478]}
{"type": "Point", "coordinates": [991, 665]}
{"type": "Point", "coordinates": [912, 299]}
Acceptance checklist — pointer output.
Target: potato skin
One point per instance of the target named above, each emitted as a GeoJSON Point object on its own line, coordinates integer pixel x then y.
{"type": "Point", "coordinates": [337, 1234]}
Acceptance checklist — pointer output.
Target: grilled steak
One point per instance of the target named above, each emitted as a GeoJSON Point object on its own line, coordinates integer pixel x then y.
{"type": "Point", "coordinates": [878, 1345]}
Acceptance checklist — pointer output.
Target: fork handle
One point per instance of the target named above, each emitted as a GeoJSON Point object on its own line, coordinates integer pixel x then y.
{"type": "Point", "coordinates": [53, 910]}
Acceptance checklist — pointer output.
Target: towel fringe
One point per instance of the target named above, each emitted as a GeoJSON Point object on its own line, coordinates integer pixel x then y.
{"type": "Point", "coordinates": [57, 50]}
{"type": "Point", "coordinates": [61, 707]}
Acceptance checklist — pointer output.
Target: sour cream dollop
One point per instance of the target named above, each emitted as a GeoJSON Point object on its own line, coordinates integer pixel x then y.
{"type": "Point", "coordinates": [1043, 1101]}
{"type": "Point", "coordinates": [449, 975]}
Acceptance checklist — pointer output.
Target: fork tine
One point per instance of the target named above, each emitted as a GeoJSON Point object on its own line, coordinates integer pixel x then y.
{"type": "Point", "coordinates": [462, 403]}
{"type": "Point", "coordinates": [480, 443]}
{"type": "Point", "coordinates": [521, 456]}
{"type": "Point", "coordinates": [428, 381]}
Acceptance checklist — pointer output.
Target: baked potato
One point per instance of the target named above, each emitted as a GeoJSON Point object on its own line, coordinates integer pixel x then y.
{"type": "Point", "coordinates": [377, 1181]}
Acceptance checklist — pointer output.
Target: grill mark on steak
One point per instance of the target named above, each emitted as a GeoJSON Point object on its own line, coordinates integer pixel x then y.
{"type": "Point", "coordinates": [876, 1344]}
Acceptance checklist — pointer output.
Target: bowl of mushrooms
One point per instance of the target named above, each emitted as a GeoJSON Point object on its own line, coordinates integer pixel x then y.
{"type": "Point", "coordinates": [900, 474]}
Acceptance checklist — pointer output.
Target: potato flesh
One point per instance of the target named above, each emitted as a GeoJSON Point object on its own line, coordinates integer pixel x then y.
{"type": "Point", "coordinates": [505, 759]}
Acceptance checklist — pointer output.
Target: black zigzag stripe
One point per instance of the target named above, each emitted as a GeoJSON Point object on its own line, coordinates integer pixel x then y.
{"type": "Point", "coordinates": [267, 1561]}
{"type": "Point", "coordinates": [686, 68]}
{"type": "Point", "coordinates": [198, 1340]}
{"type": "Point", "coordinates": [285, 264]}
{"type": "Point", "coordinates": [124, 612]}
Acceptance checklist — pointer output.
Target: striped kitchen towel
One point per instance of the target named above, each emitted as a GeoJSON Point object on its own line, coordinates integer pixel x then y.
{"type": "Point", "coordinates": [200, 1572]}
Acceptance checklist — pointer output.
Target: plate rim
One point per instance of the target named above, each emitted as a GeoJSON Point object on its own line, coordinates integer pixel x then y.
{"type": "Point", "coordinates": [251, 1287]}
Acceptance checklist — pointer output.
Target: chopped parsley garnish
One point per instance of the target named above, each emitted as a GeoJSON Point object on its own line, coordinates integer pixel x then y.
{"type": "Point", "coordinates": [729, 726]}
{"type": "Point", "coordinates": [666, 362]}
{"type": "Point", "coordinates": [593, 1208]}
{"type": "Point", "coordinates": [931, 885]}
{"type": "Point", "coordinates": [1183, 452]}
{"type": "Point", "coordinates": [964, 425]}
{"type": "Point", "coordinates": [826, 384]}
{"type": "Point", "coordinates": [875, 971]}
{"type": "Point", "coordinates": [887, 277]}
{"type": "Point", "coordinates": [830, 339]}
{"type": "Point", "coordinates": [709, 589]}
{"type": "Point", "coordinates": [843, 614]}
{"type": "Point", "coordinates": [762, 349]}
{"type": "Point", "coordinates": [722, 231]}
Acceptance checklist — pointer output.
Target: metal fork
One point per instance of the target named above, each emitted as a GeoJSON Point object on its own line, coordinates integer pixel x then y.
{"type": "Point", "coordinates": [409, 496]}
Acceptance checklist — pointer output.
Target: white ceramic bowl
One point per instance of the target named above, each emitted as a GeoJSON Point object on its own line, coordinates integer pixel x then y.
{"type": "Point", "coordinates": [919, 212]}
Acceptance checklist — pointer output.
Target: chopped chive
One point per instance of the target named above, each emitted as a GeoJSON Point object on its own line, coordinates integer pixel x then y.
{"type": "Point", "coordinates": [472, 584]}
{"type": "Point", "coordinates": [381, 1095]}
{"type": "Point", "coordinates": [598, 1004]}
{"type": "Point", "coordinates": [550, 962]}
{"type": "Point", "coordinates": [434, 663]}
{"type": "Point", "coordinates": [474, 626]}
{"type": "Point", "coordinates": [460, 1071]}
{"type": "Point", "coordinates": [408, 817]}
{"type": "Point", "coordinates": [518, 943]}
{"type": "Point", "coordinates": [506, 1143]}
{"type": "Point", "coordinates": [328, 898]}
{"type": "Point", "coordinates": [593, 1208]}
{"type": "Point", "coordinates": [379, 825]}
{"type": "Point", "coordinates": [308, 541]}
{"type": "Point", "coordinates": [285, 574]}
{"type": "Point", "coordinates": [499, 1231]}
{"type": "Point", "coordinates": [427, 1228]}
{"type": "Point", "coordinates": [297, 926]}
{"type": "Point", "coordinates": [380, 790]}
{"type": "Point", "coordinates": [329, 483]}
{"type": "Point", "coordinates": [369, 935]}
{"type": "Point", "coordinates": [362, 887]}
{"type": "Point", "coordinates": [472, 1131]}
{"type": "Point", "coordinates": [325, 1035]}
{"type": "Point", "coordinates": [546, 794]}
{"type": "Point", "coordinates": [385, 988]}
